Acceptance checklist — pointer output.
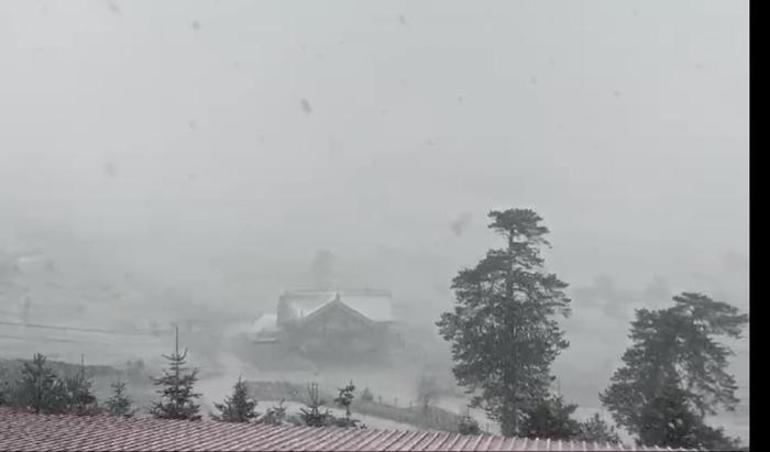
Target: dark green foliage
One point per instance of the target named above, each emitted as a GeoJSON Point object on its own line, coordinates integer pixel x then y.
{"type": "Point", "coordinates": [675, 373]}
{"type": "Point", "coordinates": [312, 416]}
{"type": "Point", "coordinates": [344, 400]}
{"type": "Point", "coordinates": [551, 418]}
{"type": "Point", "coordinates": [177, 394]}
{"type": "Point", "coordinates": [668, 421]}
{"type": "Point", "coordinates": [274, 415]}
{"type": "Point", "coordinates": [81, 401]}
{"type": "Point", "coordinates": [345, 397]}
{"type": "Point", "coordinates": [595, 429]}
{"type": "Point", "coordinates": [468, 426]}
{"type": "Point", "coordinates": [503, 334]}
{"type": "Point", "coordinates": [5, 393]}
{"type": "Point", "coordinates": [238, 407]}
{"type": "Point", "coordinates": [119, 404]}
{"type": "Point", "coordinates": [39, 389]}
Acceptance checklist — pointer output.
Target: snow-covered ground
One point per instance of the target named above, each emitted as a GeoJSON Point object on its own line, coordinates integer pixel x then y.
{"type": "Point", "coordinates": [219, 373]}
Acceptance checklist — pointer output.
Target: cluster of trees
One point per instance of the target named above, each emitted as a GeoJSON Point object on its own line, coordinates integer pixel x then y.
{"type": "Point", "coordinates": [505, 336]}
{"type": "Point", "coordinates": [40, 390]}
{"type": "Point", "coordinates": [239, 407]}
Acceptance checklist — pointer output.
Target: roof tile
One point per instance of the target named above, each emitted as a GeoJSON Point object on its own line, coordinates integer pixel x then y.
{"type": "Point", "coordinates": [29, 432]}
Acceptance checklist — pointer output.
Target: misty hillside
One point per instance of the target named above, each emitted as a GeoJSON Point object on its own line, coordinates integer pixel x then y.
{"type": "Point", "coordinates": [187, 164]}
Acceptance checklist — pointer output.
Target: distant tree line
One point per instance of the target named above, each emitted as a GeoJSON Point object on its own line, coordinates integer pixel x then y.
{"type": "Point", "coordinates": [41, 390]}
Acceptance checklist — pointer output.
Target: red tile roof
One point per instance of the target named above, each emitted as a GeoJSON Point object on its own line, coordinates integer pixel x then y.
{"type": "Point", "coordinates": [30, 432]}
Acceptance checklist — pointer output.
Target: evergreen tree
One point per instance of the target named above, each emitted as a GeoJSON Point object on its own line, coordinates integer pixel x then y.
{"type": "Point", "coordinates": [238, 407]}
{"type": "Point", "coordinates": [39, 389]}
{"type": "Point", "coordinates": [345, 400]}
{"type": "Point", "coordinates": [503, 334]}
{"type": "Point", "coordinates": [595, 429]}
{"type": "Point", "coordinates": [177, 394]}
{"type": "Point", "coordinates": [551, 418]}
{"type": "Point", "coordinates": [675, 374]}
{"type": "Point", "coordinates": [119, 404]}
{"type": "Point", "coordinates": [345, 397]}
{"type": "Point", "coordinates": [81, 400]}
{"type": "Point", "coordinates": [312, 416]}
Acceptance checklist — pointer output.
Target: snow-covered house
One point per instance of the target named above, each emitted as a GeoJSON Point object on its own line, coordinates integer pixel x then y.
{"type": "Point", "coordinates": [324, 322]}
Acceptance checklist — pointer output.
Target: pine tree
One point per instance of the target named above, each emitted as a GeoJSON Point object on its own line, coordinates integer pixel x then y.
{"type": "Point", "coordinates": [675, 374]}
{"type": "Point", "coordinates": [551, 418]}
{"type": "Point", "coordinates": [345, 400]}
{"type": "Point", "coordinates": [81, 400]}
{"type": "Point", "coordinates": [502, 331]}
{"type": "Point", "coordinates": [595, 429]}
{"type": "Point", "coordinates": [238, 407]}
{"type": "Point", "coordinates": [312, 416]}
{"type": "Point", "coordinates": [345, 397]}
{"type": "Point", "coordinates": [119, 404]}
{"type": "Point", "coordinates": [39, 389]}
{"type": "Point", "coordinates": [177, 395]}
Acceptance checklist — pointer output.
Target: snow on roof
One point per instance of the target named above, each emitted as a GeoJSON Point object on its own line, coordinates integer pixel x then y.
{"type": "Point", "coordinates": [375, 305]}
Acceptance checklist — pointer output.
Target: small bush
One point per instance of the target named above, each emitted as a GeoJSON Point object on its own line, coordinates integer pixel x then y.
{"type": "Point", "coordinates": [275, 415]}
{"type": "Point", "coordinates": [312, 416]}
{"type": "Point", "coordinates": [468, 426]}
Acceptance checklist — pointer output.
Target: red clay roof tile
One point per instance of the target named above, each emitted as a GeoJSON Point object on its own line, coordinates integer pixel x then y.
{"type": "Point", "coordinates": [30, 432]}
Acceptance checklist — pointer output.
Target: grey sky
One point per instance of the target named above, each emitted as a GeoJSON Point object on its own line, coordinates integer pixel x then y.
{"type": "Point", "coordinates": [268, 130]}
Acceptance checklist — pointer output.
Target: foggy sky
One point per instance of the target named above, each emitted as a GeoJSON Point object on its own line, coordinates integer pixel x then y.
{"type": "Point", "coordinates": [173, 133]}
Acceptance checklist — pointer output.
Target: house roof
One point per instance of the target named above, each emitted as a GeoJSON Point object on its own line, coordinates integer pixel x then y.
{"type": "Point", "coordinates": [374, 305]}
{"type": "Point", "coordinates": [31, 432]}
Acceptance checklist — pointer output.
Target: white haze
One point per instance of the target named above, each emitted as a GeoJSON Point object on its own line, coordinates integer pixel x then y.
{"type": "Point", "coordinates": [212, 147]}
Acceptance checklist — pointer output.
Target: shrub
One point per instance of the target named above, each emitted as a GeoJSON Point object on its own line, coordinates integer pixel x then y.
{"type": "Point", "coordinates": [276, 415]}
{"type": "Point", "coordinates": [312, 416]}
{"type": "Point", "coordinates": [468, 426]}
